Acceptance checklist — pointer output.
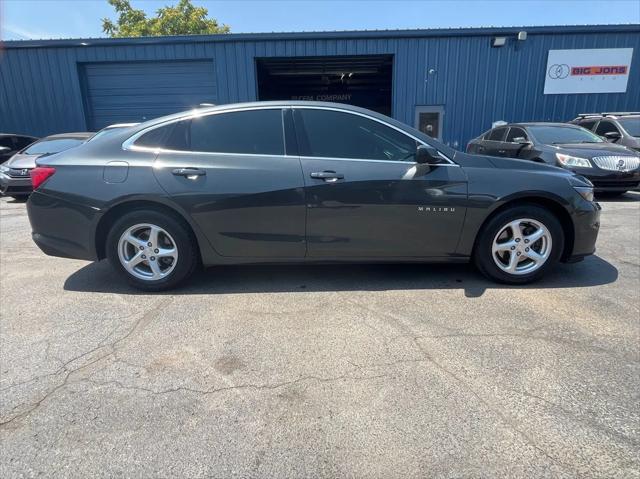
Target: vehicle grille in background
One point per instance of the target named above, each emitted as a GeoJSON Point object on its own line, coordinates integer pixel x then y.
{"type": "Point", "coordinates": [617, 163]}
{"type": "Point", "coordinates": [18, 173]}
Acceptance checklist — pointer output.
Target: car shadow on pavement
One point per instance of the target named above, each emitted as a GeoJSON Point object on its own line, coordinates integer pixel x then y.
{"type": "Point", "coordinates": [101, 278]}
{"type": "Point", "coordinates": [18, 200]}
{"type": "Point", "coordinates": [629, 197]}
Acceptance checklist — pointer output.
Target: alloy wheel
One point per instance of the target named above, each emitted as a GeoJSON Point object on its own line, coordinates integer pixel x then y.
{"type": "Point", "coordinates": [521, 246]}
{"type": "Point", "coordinates": [147, 252]}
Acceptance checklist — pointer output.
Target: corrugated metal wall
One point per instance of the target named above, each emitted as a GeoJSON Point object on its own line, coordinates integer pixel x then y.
{"type": "Point", "coordinates": [40, 90]}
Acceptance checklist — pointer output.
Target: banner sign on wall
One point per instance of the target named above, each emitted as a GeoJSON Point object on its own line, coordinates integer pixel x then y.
{"type": "Point", "coordinates": [601, 70]}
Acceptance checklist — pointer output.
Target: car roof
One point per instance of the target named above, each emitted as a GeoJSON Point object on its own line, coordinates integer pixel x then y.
{"type": "Point", "coordinates": [18, 134]}
{"type": "Point", "coordinates": [287, 103]}
{"type": "Point", "coordinates": [265, 104]}
{"type": "Point", "coordinates": [544, 123]}
{"type": "Point", "coordinates": [79, 135]}
{"type": "Point", "coordinates": [119, 125]}
{"type": "Point", "coordinates": [611, 116]}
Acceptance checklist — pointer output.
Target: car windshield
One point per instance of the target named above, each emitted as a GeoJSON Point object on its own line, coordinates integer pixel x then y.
{"type": "Point", "coordinates": [631, 125]}
{"type": "Point", "coordinates": [552, 135]}
{"type": "Point", "coordinates": [53, 146]}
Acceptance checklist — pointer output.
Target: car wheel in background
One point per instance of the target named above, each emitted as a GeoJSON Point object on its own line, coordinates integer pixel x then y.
{"type": "Point", "coordinates": [519, 244]}
{"type": "Point", "coordinates": [153, 250]}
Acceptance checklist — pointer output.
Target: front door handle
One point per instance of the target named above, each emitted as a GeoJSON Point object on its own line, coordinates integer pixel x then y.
{"type": "Point", "coordinates": [191, 173]}
{"type": "Point", "coordinates": [328, 176]}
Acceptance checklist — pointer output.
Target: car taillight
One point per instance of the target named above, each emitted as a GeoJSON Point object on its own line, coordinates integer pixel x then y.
{"type": "Point", "coordinates": [40, 174]}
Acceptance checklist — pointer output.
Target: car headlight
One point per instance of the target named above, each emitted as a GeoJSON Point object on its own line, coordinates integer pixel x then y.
{"type": "Point", "coordinates": [4, 169]}
{"type": "Point", "coordinates": [573, 161]}
{"type": "Point", "coordinates": [585, 191]}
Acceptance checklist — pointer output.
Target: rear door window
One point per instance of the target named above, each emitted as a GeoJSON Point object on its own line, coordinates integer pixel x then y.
{"type": "Point", "coordinates": [255, 132]}
{"type": "Point", "coordinates": [514, 133]}
{"type": "Point", "coordinates": [497, 134]}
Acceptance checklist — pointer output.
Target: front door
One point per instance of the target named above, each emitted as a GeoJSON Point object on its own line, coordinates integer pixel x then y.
{"type": "Point", "coordinates": [231, 173]}
{"type": "Point", "coordinates": [367, 198]}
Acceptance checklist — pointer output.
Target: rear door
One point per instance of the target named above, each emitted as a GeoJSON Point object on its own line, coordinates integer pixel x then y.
{"type": "Point", "coordinates": [366, 197]}
{"type": "Point", "coordinates": [493, 145]}
{"type": "Point", "coordinates": [513, 145]}
{"type": "Point", "coordinates": [231, 172]}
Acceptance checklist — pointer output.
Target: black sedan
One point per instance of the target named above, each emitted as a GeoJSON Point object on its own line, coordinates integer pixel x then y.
{"type": "Point", "coordinates": [302, 182]}
{"type": "Point", "coordinates": [10, 144]}
{"type": "Point", "coordinates": [613, 169]}
{"type": "Point", "coordinates": [14, 174]}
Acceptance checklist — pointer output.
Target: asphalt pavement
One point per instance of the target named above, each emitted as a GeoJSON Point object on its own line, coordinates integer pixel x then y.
{"type": "Point", "coordinates": [321, 371]}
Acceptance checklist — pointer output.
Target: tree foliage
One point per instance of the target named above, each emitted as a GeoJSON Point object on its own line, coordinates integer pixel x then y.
{"type": "Point", "coordinates": [181, 19]}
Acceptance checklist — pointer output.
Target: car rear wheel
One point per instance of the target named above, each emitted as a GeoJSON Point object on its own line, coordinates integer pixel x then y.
{"type": "Point", "coordinates": [153, 250]}
{"type": "Point", "coordinates": [519, 245]}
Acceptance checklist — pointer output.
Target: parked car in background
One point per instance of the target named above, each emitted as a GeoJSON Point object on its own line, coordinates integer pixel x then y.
{"type": "Point", "coordinates": [619, 128]}
{"type": "Point", "coordinates": [10, 144]}
{"type": "Point", "coordinates": [107, 130]}
{"type": "Point", "coordinates": [14, 174]}
{"type": "Point", "coordinates": [613, 169]}
{"type": "Point", "coordinates": [302, 182]}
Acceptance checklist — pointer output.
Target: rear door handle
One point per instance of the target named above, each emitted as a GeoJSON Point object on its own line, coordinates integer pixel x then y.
{"type": "Point", "coordinates": [328, 176]}
{"type": "Point", "coordinates": [190, 173]}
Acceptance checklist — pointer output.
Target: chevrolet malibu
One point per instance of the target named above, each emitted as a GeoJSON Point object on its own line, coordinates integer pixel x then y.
{"type": "Point", "coordinates": [300, 182]}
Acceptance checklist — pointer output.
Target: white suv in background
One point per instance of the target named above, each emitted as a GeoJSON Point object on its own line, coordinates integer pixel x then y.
{"type": "Point", "coordinates": [620, 128]}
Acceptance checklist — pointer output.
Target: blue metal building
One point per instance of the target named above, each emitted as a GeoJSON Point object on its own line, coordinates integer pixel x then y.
{"type": "Point", "coordinates": [451, 83]}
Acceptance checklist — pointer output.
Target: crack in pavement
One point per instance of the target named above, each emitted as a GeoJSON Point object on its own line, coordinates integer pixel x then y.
{"type": "Point", "coordinates": [403, 328]}
{"type": "Point", "coordinates": [111, 348]}
{"type": "Point", "coordinates": [526, 334]}
{"type": "Point", "coordinates": [268, 386]}
{"type": "Point", "coordinates": [588, 420]}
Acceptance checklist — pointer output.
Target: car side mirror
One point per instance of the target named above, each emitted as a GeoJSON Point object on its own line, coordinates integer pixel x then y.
{"type": "Point", "coordinates": [428, 154]}
{"type": "Point", "coordinates": [4, 149]}
{"type": "Point", "coordinates": [613, 135]}
{"type": "Point", "coordinates": [521, 140]}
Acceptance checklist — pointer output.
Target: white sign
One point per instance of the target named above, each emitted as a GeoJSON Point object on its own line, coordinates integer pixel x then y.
{"type": "Point", "coordinates": [602, 70]}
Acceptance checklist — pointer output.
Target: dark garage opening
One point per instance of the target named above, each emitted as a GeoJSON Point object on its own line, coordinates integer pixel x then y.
{"type": "Point", "coordinates": [363, 81]}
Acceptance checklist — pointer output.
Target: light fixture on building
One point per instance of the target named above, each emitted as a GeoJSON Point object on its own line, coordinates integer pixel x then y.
{"type": "Point", "coordinates": [522, 36]}
{"type": "Point", "coordinates": [499, 42]}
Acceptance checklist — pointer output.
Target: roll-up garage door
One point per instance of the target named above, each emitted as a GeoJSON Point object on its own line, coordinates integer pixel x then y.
{"type": "Point", "coordinates": [122, 92]}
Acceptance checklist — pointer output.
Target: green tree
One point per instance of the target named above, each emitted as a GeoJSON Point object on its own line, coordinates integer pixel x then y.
{"type": "Point", "coordinates": [181, 19]}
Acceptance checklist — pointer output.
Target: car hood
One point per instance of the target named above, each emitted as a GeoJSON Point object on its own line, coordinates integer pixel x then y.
{"type": "Point", "coordinates": [21, 160]}
{"type": "Point", "coordinates": [477, 161]}
{"type": "Point", "coordinates": [590, 150]}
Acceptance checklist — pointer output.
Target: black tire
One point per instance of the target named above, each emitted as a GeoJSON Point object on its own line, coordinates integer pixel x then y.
{"type": "Point", "coordinates": [483, 255]}
{"type": "Point", "coordinates": [185, 242]}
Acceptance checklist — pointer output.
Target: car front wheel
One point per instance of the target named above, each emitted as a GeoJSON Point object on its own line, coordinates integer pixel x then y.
{"type": "Point", "coordinates": [519, 245]}
{"type": "Point", "coordinates": [153, 250]}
